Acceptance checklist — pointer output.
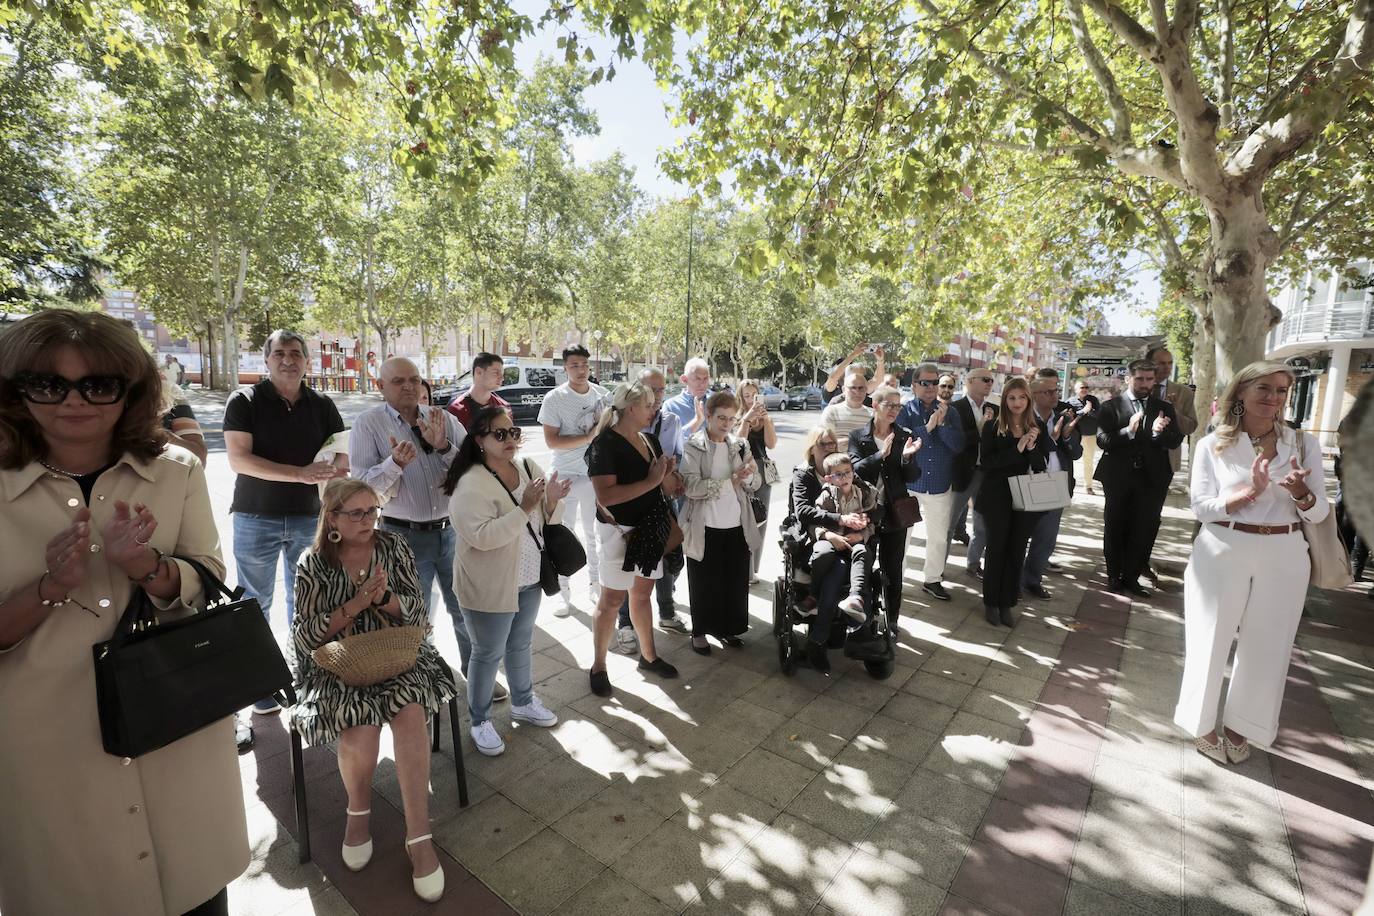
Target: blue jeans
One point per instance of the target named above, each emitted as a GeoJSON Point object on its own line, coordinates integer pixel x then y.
{"type": "Point", "coordinates": [434, 559]}
{"type": "Point", "coordinates": [1043, 538]}
{"type": "Point", "coordinates": [495, 636]}
{"type": "Point", "coordinates": [258, 541]}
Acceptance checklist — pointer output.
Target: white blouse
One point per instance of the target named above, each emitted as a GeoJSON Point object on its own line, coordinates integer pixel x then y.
{"type": "Point", "coordinates": [1218, 477]}
{"type": "Point", "coordinates": [527, 573]}
{"type": "Point", "coordinates": [723, 511]}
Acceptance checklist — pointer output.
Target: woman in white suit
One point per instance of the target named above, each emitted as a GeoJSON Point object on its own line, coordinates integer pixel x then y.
{"type": "Point", "coordinates": [1254, 481]}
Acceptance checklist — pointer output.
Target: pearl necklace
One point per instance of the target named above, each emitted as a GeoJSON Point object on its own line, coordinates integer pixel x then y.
{"type": "Point", "coordinates": [56, 470]}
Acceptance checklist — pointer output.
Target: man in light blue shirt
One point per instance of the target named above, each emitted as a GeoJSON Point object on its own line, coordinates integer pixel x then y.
{"type": "Point", "coordinates": [404, 452]}
{"type": "Point", "coordinates": [689, 404]}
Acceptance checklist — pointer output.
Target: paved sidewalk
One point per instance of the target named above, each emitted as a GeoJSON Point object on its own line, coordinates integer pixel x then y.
{"type": "Point", "coordinates": [1027, 771]}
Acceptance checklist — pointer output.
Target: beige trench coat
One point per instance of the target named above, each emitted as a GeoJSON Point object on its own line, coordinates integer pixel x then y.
{"type": "Point", "coordinates": [82, 831]}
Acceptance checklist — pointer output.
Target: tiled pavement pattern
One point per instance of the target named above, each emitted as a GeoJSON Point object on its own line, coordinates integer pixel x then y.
{"type": "Point", "coordinates": [1011, 772]}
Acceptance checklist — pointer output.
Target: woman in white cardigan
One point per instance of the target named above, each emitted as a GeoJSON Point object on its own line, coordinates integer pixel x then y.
{"type": "Point", "coordinates": [1254, 481]}
{"type": "Point", "coordinates": [499, 506]}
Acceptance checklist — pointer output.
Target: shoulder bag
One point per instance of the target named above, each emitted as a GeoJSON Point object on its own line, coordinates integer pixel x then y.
{"type": "Point", "coordinates": [756, 505]}
{"type": "Point", "coordinates": [1042, 492]}
{"type": "Point", "coordinates": [156, 683]}
{"type": "Point", "coordinates": [548, 566]}
{"type": "Point", "coordinates": [1330, 562]}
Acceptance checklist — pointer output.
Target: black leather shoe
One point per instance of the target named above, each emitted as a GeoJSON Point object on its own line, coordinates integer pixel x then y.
{"type": "Point", "coordinates": [1007, 619]}
{"type": "Point", "coordinates": [734, 642]}
{"type": "Point", "coordinates": [1135, 588]}
{"type": "Point", "coordinates": [1039, 591]}
{"type": "Point", "coordinates": [960, 537]}
{"type": "Point", "coordinates": [935, 590]}
{"type": "Point", "coordinates": [1114, 586]}
{"type": "Point", "coordinates": [657, 666]}
{"type": "Point", "coordinates": [818, 657]}
{"type": "Point", "coordinates": [703, 649]}
{"type": "Point", "coordinates": [991, 615]}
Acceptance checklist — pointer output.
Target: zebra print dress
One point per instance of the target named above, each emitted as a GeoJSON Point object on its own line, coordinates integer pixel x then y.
{"type": "Point", "coordinates": [326, 705]}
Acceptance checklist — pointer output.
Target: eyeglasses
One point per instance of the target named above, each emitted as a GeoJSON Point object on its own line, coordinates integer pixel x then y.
{"type": "Point", "coordinates": [950, 387]}
{"type": "Point", "coordinates": [981, 378]}
{"type": "Point", "coordinates": [45, 388]}
{"type": "Point", "coordinates": [891, 405]}
{"type": "Point", "coordinates": [359, 515]}
{"type": "Point", "coordinates": [926, 382]}
{"type": "Point", "coordinates": [506, 432]}
{"type": "Point", "coordinates": [841, 475]}
{"type": "Point", "coordinates": [828, 443]}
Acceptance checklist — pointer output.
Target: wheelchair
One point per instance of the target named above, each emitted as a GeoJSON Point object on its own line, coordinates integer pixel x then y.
{"type": "Point", "coordinates": [873, 642]}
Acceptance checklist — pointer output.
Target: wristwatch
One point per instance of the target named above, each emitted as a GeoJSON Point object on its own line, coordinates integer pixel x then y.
{"type": "Point", "coordinates": [384, 600]}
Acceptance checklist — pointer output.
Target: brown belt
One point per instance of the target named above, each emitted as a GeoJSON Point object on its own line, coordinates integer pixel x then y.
{"type": "Point", "coordinates": [1261, 529]}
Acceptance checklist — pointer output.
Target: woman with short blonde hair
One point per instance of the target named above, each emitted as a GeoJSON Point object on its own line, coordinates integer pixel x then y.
{"type": "Point", "coordinates": [1255, 481]}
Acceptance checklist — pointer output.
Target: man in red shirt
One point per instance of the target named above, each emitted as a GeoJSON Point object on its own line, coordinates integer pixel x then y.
{"type": "Point", "coordinates": [487, 370]}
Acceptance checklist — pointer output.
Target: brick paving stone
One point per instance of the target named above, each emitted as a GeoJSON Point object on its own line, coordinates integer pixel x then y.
{"type": "Point", "coordinates": [1006, 883]}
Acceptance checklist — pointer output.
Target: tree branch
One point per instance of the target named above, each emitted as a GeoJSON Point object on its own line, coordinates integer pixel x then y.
{"type": "Point", "coordinates": [1101, 71]}
{"type": "Point", "coordinates": [1281, 135]}
{"type": "Point", "coordinates": [1145, 43]}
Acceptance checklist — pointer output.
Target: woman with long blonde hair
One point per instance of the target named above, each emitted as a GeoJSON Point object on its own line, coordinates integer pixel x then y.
{"type": "Point", "coordinates": [1255, 480]}
{"type": "Point", "coordinates": [1015, 444]}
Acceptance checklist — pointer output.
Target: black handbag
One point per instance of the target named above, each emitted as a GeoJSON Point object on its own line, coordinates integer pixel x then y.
{"type": "Point", "coordinates": [156, 683]}
{"type": "Point", "coordinates": [561, 547]}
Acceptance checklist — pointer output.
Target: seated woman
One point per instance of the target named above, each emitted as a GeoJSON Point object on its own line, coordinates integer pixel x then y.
{"type": "Point", "coordinates": [356, 579]}
{"type": "Point", "coordinates": [841, 560]}
{"type": "Point", "coordinates": [499, 506]}
{"type": "Point", "coordinates": [719, 529]}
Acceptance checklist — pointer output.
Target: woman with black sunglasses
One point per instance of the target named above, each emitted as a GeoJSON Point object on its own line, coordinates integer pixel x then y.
{"type": "Point", "coordinates": [499, 507]}
{"type": "Point", "coordinates": [93, 505]}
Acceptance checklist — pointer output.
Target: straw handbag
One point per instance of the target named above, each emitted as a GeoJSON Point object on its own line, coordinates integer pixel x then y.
{"type": "Point", "coordinates": [365, 659]}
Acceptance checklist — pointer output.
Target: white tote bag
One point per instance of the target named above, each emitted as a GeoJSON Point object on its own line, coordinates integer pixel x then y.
{"type": "Point", "coordinates": [1040, 492]}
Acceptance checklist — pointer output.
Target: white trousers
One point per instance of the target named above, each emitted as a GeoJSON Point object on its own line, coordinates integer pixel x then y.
{"type": "Point", "coordinates": [580, 506]}
{"type": "Point", "coordinates": [1248, 589]}
{"type": "Point", "coordinates": [1089, 457]}
{"type": "Point", "coordinates": [936, 509]}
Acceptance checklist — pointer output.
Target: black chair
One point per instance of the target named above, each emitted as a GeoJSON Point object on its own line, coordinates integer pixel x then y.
{"type": "Point", "coordinates": [298, 769]}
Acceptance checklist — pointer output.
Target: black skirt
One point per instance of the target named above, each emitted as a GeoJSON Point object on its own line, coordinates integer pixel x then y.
{"type": "Point", "coordinates": [718, 584]}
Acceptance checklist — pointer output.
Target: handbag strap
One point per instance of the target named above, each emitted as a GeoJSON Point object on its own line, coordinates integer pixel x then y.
{"type": "Point", "coordinates": [515, 502]}
{"type": "Point", "coordinates": [140, 609]}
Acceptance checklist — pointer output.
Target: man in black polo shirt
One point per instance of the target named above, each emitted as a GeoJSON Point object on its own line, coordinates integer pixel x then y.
{"type": "Point", "coordinates": [272, 432]}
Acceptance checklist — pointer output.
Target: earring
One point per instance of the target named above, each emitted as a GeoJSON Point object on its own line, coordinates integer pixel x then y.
{"type": "Point", "coordinates": [1238, 409]}
{"type": "Point", "coordinates": [334, 536]}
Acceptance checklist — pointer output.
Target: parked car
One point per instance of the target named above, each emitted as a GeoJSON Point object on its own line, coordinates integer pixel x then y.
{"type": "Point", "coordinates": [523, 387]}
{"type": "Point", "coordinates": [803, 397]}
{"type": "Point", "coordinates": [773, 396]}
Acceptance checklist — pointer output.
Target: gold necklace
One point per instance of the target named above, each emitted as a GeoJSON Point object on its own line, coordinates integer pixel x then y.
{"type": "Point", "coordinates": [1258, 442]}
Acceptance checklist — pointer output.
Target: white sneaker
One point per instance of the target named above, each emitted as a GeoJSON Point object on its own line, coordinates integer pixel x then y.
{"type": "Point", "coordinates": [536, 713]}
{"type": "Point", "coordinates": [753, 579]}
{"type": "Point", "coordinates": [486, 739]}
{"type": "Point", "coordinates": [673, 623]}
{"type": "Point", "coordinates": [565, 609]}
{"type": "Point", "coordinates": [626, 642]}
{"type": "Point", "coordinates": [853, 608]}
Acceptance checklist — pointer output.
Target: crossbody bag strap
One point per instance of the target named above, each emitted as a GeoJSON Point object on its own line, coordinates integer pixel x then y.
{"type": "Point", "coordinates": [515, 502]}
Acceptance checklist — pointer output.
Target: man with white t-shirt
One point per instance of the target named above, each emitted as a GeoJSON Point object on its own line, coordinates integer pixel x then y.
{"type": "Point", "coordinates": [850, 414]}
{"type": "Point", "coordinates": [568, 415]}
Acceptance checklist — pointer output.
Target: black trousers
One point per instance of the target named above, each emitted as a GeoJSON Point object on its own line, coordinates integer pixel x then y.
{"type": "Point", "coordinates": [217, 905]}
{"type": "Point", "coordinates": [718, 584]}
{"type": "Point", "coordinates": [1004, 560]}
{"type": "Point", "coordinates": [892, 561]}
{"type": "Point", "coordinates": [1130, 523]}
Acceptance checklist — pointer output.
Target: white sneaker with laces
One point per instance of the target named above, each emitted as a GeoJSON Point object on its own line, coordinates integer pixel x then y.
{"type": "Point", "coordinates": [536, 713]}
{"type": "Point", "coordinates": [487, 740]}
{"type": "Point", "coordinates": [566, 608]}
{"type": "Point", "coordinates": [853, 608]}
{"type": "Point", "coordinates": [673, 623]}
{"type": "Point", "coordinates": [626, 642]}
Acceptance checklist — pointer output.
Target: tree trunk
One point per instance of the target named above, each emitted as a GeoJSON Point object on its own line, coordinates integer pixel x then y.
{"type": "Point", "coordinates": [1204, 358]}
{"type": "Point", "coordinates": [500, 348]}
{"type": "Point", "coordinates": [424, 346]}
{"type": "Point", "coordinates": [1240, 250]}
{"type": "Point", "coordinates": [229, 342]}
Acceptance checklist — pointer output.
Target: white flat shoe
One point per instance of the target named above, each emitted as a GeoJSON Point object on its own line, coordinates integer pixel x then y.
{"type": "Point", "coordinates": [1216, 751]}
{"type": "Point", "coordinates": [357, 857]}
{"type": "Point", "coordinates": [1236, 753]}
{"type": "Point", "coordinates": [430, 887]}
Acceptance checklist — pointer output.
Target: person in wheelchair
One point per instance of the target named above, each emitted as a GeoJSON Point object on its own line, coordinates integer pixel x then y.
{"type": "Point", "coordinates": [841, 560]}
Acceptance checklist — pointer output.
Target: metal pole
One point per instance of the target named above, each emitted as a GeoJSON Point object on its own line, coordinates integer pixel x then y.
{"type": "Point", "coordinates": [687, 338]}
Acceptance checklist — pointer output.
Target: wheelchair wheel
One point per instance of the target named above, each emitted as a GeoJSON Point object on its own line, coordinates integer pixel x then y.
{"type": "Point", "coordinates": [879, 671]}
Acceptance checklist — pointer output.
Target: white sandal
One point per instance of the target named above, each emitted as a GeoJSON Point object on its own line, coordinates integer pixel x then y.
{"type": "Point", "coordinates": [357, 857]}
{"type": "Point", "coordinates": [430, 887]}
{"type": "Point", "coordinates": [1236, 753]}
{"type": "Point", "coordinates": [1215, 751]}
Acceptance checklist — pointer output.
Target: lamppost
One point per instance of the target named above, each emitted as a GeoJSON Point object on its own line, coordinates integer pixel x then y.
{"type": "Point", "coordinates": [691, 234]}
{"type": "Point", "coordinates": [596, 336]}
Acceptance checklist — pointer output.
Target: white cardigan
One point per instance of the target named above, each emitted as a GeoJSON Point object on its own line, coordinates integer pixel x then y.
{"type": "Point", "coordinates": [490, 529]}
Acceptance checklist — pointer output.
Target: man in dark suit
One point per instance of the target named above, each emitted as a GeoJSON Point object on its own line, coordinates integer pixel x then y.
{"type": "Point", "coordinates": [1136, 431]}
{"type": "Point", "coordinates": [1065, 447]}
{"type": "Point", "coordinates": [973, 410]}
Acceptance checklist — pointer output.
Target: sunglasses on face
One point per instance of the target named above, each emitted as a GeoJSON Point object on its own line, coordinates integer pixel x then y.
{"type": "Point", "coordinates": [830, 445]}
{"type": "Point", "coordinates": [45, 388]}
{"type": "Point", "coordinates": [359, 515]}
{"type": "Point", "coordinates": [506, 432]}
{"type": "Point", "coordinates": [926, 382]}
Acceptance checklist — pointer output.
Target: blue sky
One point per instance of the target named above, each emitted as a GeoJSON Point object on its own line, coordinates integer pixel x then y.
{"type": "Point", "coordinates": [634, 121]}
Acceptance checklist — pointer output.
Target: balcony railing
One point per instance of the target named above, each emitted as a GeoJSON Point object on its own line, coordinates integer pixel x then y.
{"type": "Point", "coordinates": [1319, 322]}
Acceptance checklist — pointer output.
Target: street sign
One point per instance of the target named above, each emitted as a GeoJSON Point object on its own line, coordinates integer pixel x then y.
{"type": "Point", "coordinates": [1061, 356]}
{"type": "Point", "coordinates": [1100, 361]}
